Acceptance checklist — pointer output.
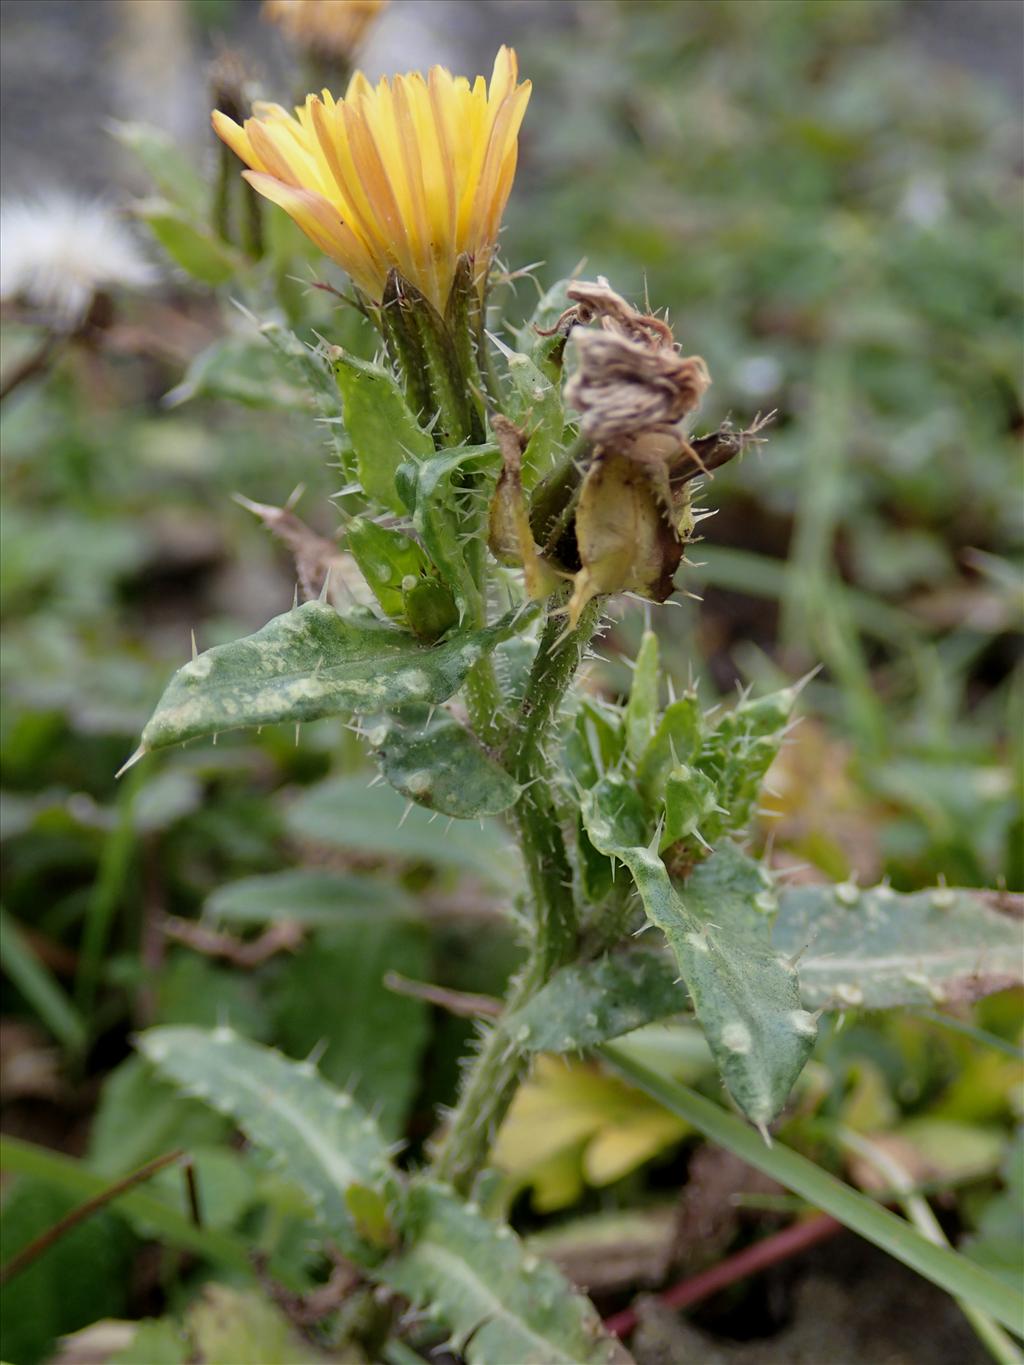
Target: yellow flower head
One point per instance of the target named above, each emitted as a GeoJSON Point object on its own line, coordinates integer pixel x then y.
{"type": "Point", "coordinates": [408, 174]}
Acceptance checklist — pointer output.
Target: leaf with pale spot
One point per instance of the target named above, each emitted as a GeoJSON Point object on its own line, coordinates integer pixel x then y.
{"type": "Point", "coordinates": [434, 760]}
{"type": "Point", "coordinates": [585, 1004]}
{"type": "Point", "coordinates": [719, 929]}
{"type": "Point", "coordinates": [312, 662]}
{"type": "Point", "coordinates": [881, 949]}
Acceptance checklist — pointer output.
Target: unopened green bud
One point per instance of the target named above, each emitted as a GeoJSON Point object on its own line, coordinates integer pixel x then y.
{"type": "Point", "coordinates": [430, 609]}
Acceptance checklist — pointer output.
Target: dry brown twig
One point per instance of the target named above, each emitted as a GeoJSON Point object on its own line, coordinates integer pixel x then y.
{"type": "Point", "coordinates": [284, 937]}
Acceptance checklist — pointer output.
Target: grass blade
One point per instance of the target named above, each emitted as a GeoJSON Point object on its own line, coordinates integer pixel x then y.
{"type": "Point", "coordinates": [39, 987]}
{"type": "Point", "coordinates": [944, 1267]}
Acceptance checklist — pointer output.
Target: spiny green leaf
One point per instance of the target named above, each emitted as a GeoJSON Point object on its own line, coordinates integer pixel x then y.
{"type": "Point", "coordinates": [385, 559]}
{"type": "Point", "coordinates": [320, 1137]}
{"type": "Point", "coordinates": [500, 1304]}
{"type": "Point", "coordinates": [434, 760]}
{"type": "Point", "coordinates": [642, 708]}
{"type": "Point", "coordinates": [719, 929]}
{"type": "Point", "coordinates": [596, 741]}
{"type": "Point", "coordinates": [676, 740]}
{"type": "Point", "coordinates": [594, 745]}
{"type": "Point", "coordinates": [308, 366]}
{"type": "Point", "coordinates": [596, 872]}
{"type": "Point", "coordinates": [690, 805]}
{"type": "Point", "coordinates": [584, 1005]}
{"type": "Point", "coordinates": [881, 949]}
{"type": "Point", "coordinates": [534, 403]}
{"type": "Point", "coordinates": [877, 948]}
{"type": "Point", "coordinates": [383, 430]}
{"type": "Point", "coordinates": [738, 752]}
{"type": "Point", "coordinates": [140, 1117]}
{"type": "Point", "coordinates": [448, 509]}
{"type": "Point", "coordinates": [312, 662]}
{"type": "Point", "coordinates": [307, 896]}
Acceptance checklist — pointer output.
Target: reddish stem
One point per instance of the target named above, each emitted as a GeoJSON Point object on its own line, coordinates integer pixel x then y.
{"type": "Point", "coordinates": [769, 1251]}
{"type": "Point", "coordinates": [24, 1258]}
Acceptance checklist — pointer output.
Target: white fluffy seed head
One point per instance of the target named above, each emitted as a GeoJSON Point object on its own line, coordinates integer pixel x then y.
{"type": "Point", "coordinates": [58, 251]}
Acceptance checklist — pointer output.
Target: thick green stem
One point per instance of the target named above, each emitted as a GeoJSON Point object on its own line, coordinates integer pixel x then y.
{"type": "Point", "coordinates": [485, 702]}
{"type": "Point", "coordinates": [536, 815]}
{"type": "Point", "coordinates": [494, 1077]}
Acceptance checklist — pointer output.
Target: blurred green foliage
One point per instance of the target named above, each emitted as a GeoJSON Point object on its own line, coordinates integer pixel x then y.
{"type": "Point", "coordinates": [833, 223]}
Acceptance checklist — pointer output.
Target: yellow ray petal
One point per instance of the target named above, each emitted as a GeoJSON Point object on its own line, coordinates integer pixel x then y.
{"type": "Point", "coordinates": [319, 221]}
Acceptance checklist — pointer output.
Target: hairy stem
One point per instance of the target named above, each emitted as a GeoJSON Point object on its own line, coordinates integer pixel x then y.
{"type": "Point", "coordinates": [494, 1077]}
{"type": "Point", "coordinates": [536, 815]}
{"type": "Point", "coordinates": [485, 703]}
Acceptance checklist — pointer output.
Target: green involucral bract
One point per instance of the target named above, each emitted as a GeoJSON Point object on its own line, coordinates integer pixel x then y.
{"type": "Point", "coordinates": [434, 760]}
{"type": "Point", "coordinates": [434, 367]}
{"type": "Point", "coordinates": [312, 662]}
{"type": "Point", "coordinates": [719, 928]}
{"type": "Point", "coordinates": [534, 403]}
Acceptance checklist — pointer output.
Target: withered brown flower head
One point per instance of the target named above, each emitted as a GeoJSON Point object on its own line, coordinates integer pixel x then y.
{"type": "Point", "coordinates": [615, 515]}
{"type": "Point", "coordinates": [630, 378]}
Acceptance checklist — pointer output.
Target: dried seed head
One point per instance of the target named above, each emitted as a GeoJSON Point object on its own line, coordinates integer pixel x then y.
{"type": "Point", "coordinates": [624, 387]}
{"type": "Point", "coordinates": [630, 378]}
{"type": "Point", "coordinates": [617, 520]}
